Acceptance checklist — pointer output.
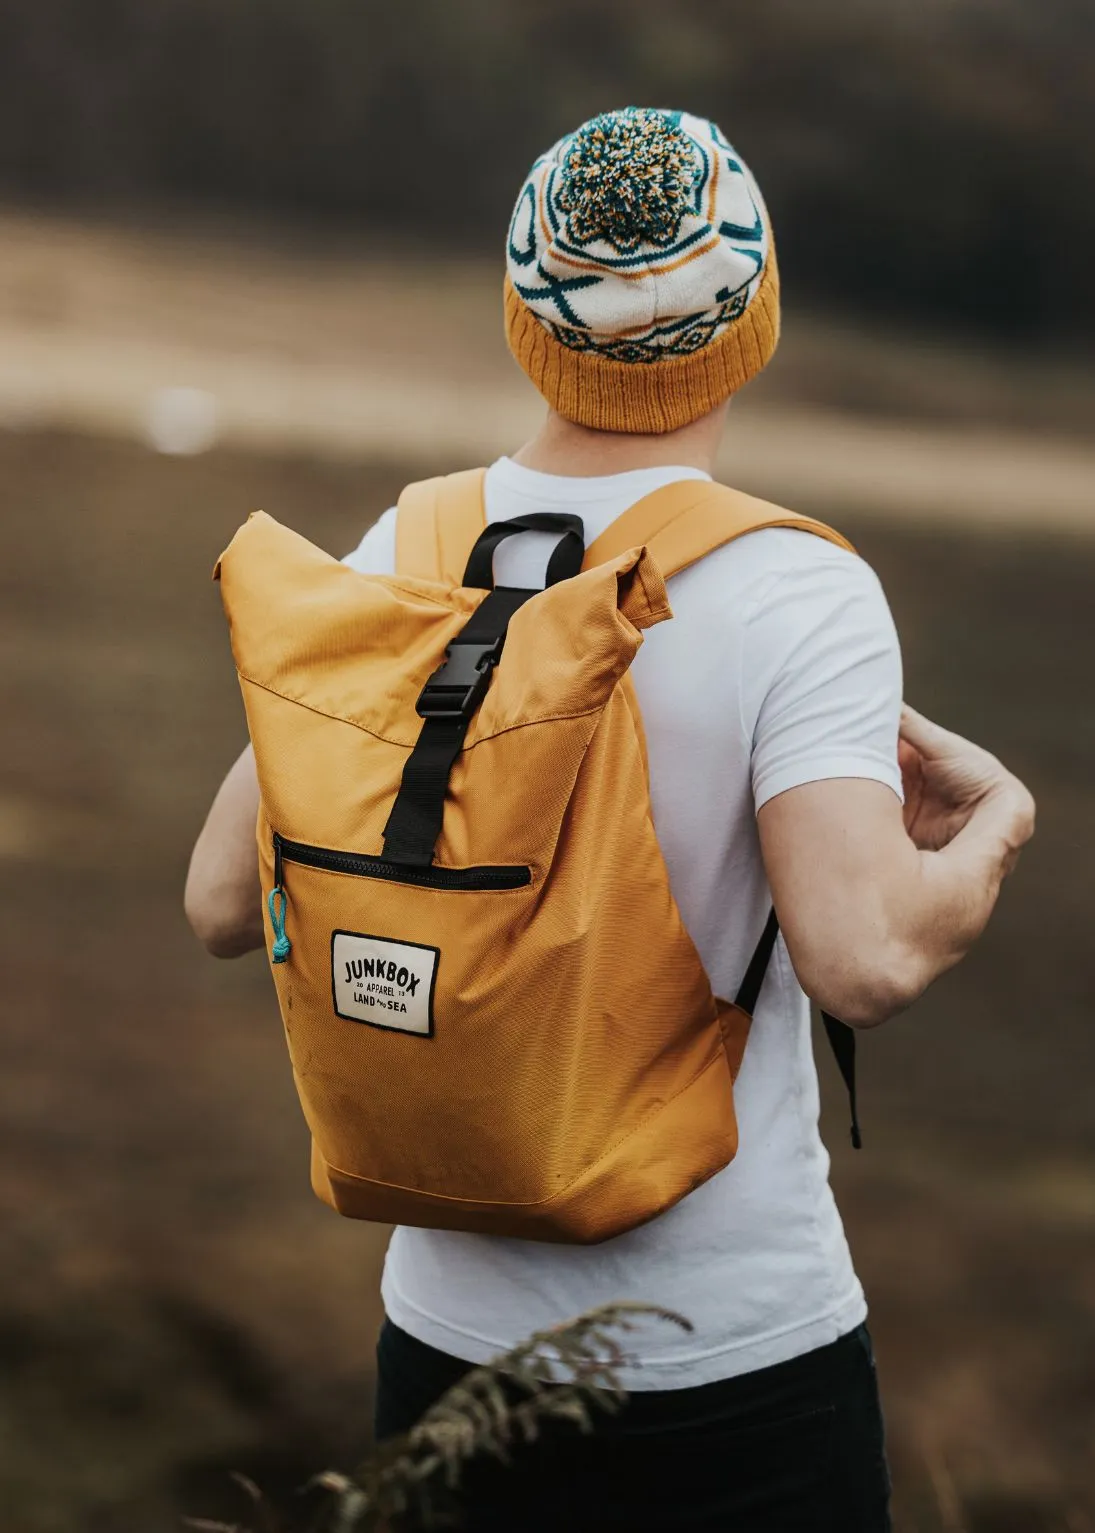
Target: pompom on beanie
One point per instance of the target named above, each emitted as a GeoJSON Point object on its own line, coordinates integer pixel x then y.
{"type": "Point", "coordinates": [641, 282]}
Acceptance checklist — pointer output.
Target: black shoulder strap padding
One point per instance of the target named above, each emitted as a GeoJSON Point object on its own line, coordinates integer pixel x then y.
{"type": "Point", "coordinates": [841, 1036]}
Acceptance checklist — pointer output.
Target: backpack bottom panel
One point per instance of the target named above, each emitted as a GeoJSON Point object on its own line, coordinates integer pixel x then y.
{"type": "Point", "coordinates": [664, 1158]}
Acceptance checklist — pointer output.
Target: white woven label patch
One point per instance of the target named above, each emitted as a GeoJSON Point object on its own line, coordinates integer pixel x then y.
{"type": "Point", "coordinates": [384, 983]}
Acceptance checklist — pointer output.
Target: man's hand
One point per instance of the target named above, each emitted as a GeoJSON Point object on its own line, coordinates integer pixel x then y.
{"type": "Point", "coordinates": [875, 902]}
{"type": "Point", "coordinates": [947, 780]}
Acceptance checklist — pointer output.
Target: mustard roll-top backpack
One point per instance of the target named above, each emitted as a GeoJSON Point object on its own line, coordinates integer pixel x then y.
{"type": "Point", "coordinates": [496, 1019]}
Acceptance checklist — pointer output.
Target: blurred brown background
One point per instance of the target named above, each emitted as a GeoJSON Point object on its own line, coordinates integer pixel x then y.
{"type": "Point", "coordinates": [250, 255]}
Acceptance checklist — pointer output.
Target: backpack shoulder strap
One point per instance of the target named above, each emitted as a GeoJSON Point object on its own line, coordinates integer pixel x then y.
{"type": "Point", "coordinates": [437, 523]}
{"type": "Point", "coordinates": [682, 522]}
{"type": "Point", "coordinates": [678, 525]}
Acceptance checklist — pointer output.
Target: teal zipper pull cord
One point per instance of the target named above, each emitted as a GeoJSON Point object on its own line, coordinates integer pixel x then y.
{"type": "Point", "coordinates": [282, 946]}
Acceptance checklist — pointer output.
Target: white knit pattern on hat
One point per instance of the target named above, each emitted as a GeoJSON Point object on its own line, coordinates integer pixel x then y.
{"type": "Point", "coordinates": [640, 236]}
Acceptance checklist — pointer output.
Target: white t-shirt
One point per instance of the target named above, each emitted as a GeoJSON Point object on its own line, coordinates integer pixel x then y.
{"type": "Point", "coordinates": [781, 666]}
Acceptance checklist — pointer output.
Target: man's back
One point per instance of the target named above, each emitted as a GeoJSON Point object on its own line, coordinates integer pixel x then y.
{"type": "Point", "coordinates": [780, 666]}
{"type": "Point", "coordinates": [641, 294]}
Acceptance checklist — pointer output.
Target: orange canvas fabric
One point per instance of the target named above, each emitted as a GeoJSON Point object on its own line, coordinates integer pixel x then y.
{"type": "Point", "coordinates": [537, 1052]}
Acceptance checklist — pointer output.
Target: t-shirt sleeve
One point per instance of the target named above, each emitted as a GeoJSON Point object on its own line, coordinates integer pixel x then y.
{"type": "Point", "coordinates": [375, 554]}
{"type": "Point", "coordinates": [821, 677]}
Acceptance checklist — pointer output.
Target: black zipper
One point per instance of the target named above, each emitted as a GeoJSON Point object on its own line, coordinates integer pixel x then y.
{"type": "Point", "coordinates": [360, 866]}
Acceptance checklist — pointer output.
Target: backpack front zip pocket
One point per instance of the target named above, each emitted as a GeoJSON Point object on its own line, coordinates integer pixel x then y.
{"type": "Point", "coordinates": [360, 865]}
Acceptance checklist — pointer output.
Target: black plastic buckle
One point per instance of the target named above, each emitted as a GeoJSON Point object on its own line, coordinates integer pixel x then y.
{"type": "Point", "coordinates": [458, 686]}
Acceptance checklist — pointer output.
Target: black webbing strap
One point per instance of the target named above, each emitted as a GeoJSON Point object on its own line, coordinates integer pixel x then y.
{"type": "Point", "coordinates": [447, 704]}
{"type": "Point", "coordinates": [842, 1042]}
{"type": "Point", "coordinates": [415, 821]}
{"type": "Point", "coordinates": [749, 993]}
{"type": "Point", "coordinates": [449, 699]}
{"type": "Point", "coordinates": [841, 1037]}
{"type": "Point", "coordinates": [566, 558]}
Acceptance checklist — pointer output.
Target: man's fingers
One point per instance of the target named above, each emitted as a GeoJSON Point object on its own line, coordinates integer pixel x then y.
{"type": "Point", "coordinates": [920, 732]}
{"type": "Point", "coordinates": [969, 770]}
{"type": "Point", "coordinates": [908, 757]}
{"type": "Point", "coordinates": [931, 739]}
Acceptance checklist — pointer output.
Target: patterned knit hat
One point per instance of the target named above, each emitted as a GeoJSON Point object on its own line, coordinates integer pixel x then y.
{"type": "Point", "coordinates": [641, 282]}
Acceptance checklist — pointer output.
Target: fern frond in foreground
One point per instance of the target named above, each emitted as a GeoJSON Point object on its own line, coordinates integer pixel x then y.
{"type": "Point", "coordinates": [565, 1373]}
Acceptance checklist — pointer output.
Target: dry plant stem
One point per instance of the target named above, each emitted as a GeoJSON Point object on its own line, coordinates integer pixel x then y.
{"type": "Point", "coordinates": [264, 1517]}
{"type": "Point", "coordinates": [951, 1519]}
{"type": "Point", "coordinates": [564, 1373]}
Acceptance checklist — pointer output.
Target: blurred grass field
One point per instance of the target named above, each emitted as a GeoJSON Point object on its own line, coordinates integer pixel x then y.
{"type": "Point", "coordinates": [274, 230]}
{"type": "Point", "coordinates": [177, 1305]}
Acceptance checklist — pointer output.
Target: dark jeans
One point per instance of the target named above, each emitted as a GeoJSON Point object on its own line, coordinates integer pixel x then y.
{"type": "Point", "coordinates": [796, 1448]}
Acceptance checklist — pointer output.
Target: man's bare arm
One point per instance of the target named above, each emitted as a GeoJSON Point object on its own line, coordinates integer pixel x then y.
{"type": "Point", "coordinates": [223, 900]}
{"type": "Point", "coordinates": [875, 902]}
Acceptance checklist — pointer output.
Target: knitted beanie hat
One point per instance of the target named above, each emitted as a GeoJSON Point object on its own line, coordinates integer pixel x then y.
{"type": "Point", "coordinates": [641, 283]}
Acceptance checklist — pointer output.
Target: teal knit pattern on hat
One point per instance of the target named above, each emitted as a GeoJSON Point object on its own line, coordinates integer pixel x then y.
{"type": "Point", "coordinates": [627, 177]}
{"type": "Point", "coordinates": [641, 236]}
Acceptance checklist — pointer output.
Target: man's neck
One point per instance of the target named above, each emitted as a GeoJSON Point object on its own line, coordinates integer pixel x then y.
{"type": "Point", "coordinates": [561, 447]}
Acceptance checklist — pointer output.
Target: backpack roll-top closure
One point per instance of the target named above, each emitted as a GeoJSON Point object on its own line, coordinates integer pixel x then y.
{"type": "Point", "coordinates": [362, 648]}
{"type": "Point", "coordinates": [310, 632]}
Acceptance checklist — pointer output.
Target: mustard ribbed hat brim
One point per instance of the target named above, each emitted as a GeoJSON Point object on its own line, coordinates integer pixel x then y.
{"type": "Point", "coordinates": [652, 397]}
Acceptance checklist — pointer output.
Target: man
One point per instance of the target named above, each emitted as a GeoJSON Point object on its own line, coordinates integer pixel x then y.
{"type": "Point", "coordinates": [641, 293]}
